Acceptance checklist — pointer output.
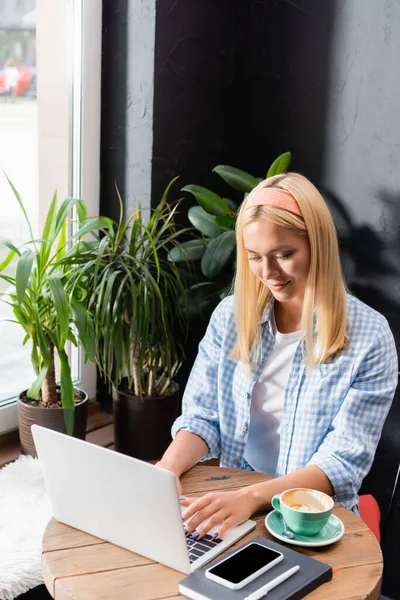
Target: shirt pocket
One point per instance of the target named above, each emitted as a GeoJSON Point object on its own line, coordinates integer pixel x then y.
{"type": "Point", "coordinates": [324, 390]}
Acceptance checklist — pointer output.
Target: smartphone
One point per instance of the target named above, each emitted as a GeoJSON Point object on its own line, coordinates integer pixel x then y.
{"type": "Point", "coordinates": [245, 565]}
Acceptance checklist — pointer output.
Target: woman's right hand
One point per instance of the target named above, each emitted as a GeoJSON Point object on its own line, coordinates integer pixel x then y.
{"type": "Point", "coordinates": [168, 467]}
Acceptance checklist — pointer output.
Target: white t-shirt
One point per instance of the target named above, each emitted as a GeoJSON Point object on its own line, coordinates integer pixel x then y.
{"type": "Point", "coordinates": [262, 448]}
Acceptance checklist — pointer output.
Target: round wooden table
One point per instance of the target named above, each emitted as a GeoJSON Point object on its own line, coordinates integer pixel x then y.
{"type": "Point", "coordinates": [79, 566]}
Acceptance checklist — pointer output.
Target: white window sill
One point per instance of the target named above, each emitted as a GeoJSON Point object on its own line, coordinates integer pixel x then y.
{"type": "Point", "coordinates": [8, 417]}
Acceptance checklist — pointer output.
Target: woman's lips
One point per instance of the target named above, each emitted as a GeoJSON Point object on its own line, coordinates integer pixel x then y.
{"type": "Point", "coordinates": [278, 287]}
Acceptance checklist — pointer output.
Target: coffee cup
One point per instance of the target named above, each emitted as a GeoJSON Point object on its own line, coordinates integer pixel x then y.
{"type": "Point", "coordinates": [305, 511]}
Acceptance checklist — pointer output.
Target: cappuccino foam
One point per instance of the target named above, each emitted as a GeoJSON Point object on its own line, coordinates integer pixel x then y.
{"type": "Point", "coordinates": [307, 501]}
{"type": "Point", "coordinates": [306, 508]}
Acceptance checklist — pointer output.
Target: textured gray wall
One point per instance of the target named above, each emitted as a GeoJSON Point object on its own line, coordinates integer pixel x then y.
{"type": "Point", "coordinates": [127, 103]}
{"type": "Point", "coordinates": [139, 102]}
{"type": "Point", "coordinates": [361, 169]}
{"type": "Point", "coordinates": [362, 143]}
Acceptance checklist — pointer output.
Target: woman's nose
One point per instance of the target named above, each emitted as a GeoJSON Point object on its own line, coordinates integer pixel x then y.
{"type": "Point", "coordinates": [270, 268]}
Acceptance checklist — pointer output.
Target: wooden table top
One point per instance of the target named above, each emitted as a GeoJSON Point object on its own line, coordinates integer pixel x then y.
{"type": "Point", "coordinates": [79, 566]}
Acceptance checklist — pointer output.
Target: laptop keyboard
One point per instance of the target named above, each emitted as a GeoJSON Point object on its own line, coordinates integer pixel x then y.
{"type": "Point", "coordinates": [197, 548]}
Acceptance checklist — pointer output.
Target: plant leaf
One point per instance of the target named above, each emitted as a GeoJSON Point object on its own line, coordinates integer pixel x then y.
{"type": "Point", "coordinates": [35, 388]}
{"type": "Point", "coordinates": [187, 251]}
{"type": "Point", "coordinates": [7, 260]}
{"type": "Point", "coordinates": [280, 164]}
{"type": "Point", "coordinates": [67, 392]}
{"type": "Point", "coordinates": [236, 178]}
{"type": "Point", "coordinates": [48, 231]}
{"type": "Point", "coordinates": [204, 222]}
{"type": "Point", "coordinates": [211, 202]}
{"type": "Point", "coordinates": [23, 273]}
{"type": "Point", "coordinates": [226, 221]}
{"type": "Point", "coordinates": [226, 291]}
{"type": "Point", "coordinates": [231, 204]}
{"type": "Point", "coordinates": [64, 212]}
{"type": "Point", "coordinates": [203, 297]}
{"type": "Point", "coordinates": [41, 339]}
{"type": "Point", "coordinates": [19, 200]}
{"type": "Point", "coordinates": [62, 240]}
{"type": "Point", "coordinates": [10, 246]}
{"type": "Point", "coordinates": [93, 224]}
{"type": "Point", "coordinates": [218, 253]}
{"type": "Point", "coordinates": [85, 329]}
{"type": "Point", "coordinates": [61, 307]}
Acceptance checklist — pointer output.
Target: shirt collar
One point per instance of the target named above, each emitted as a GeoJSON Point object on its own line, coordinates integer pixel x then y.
{"type": "Point", "coordinates": [267, 315]}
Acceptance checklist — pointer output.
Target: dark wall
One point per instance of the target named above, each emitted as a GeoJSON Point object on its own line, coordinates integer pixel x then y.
{"type": "Point", "coordinates": [113, 105]}
{"type": "Point", "coordinates": [194, 90]}
{"type": "Point", "coordinates": [233, 80]}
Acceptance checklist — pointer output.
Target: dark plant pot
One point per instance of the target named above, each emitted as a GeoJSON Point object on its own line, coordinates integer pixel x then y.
{"type": "Point", "coordinates": [53, 418]}
{"type": "Point", "coordinates": [142, 425]}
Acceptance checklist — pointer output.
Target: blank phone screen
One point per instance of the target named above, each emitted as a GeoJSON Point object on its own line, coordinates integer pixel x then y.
{"type": "Point", "coordinates": [245, 562]}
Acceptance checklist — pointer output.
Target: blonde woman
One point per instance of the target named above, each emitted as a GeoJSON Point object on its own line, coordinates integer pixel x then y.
{"type": "Point", "coordinates": [294, 376]}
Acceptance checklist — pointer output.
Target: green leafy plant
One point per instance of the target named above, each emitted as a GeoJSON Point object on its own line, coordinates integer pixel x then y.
{"type": "Point", "coordinates": [214, 248]}
{"type": "Point", "coordinates": [137, 300]}
{"type": "Point", "coordinates": [44, 303]}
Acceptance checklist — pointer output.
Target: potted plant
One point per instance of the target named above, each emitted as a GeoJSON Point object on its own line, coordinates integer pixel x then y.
{"type": "Point", "coordinates": [137, 301]}
{"type": "Point", "coordinates": [214, 249]}
{"type": "Point", "coordinates": [52, 315]}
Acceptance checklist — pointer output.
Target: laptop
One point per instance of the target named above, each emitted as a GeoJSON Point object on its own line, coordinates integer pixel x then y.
{"type": "Point", "coordinates": [123, 500]}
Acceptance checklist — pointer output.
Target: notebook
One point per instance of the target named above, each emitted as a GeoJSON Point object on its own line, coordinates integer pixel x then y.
{"type": "Point", "coordinates": [312, 573]}
{"type": "Point", "coordinates": [123, 500]}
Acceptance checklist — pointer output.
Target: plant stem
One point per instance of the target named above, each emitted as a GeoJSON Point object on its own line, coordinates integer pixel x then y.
{"type": "Point", "coordinates": [135, 374]}
{"type": "Point", "coordinates": [151, 381]}
{"type": "Point", "coordinates": [49, 389]}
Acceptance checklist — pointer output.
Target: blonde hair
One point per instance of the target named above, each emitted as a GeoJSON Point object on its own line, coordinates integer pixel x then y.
{"type": "Point", "coordinates": [324, 318]}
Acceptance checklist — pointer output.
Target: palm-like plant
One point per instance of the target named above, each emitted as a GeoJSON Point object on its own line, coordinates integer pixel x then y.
{"type": "Point", "coordinates": [45, 304]}
{"type": "Point", "coordinates": [137, 300]}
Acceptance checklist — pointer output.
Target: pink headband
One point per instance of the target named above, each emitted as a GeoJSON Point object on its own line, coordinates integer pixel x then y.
{"type": "Point", "coordinates": [273, 197]}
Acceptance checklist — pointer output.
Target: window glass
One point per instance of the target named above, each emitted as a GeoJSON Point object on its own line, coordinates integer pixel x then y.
{"type": "Point", "coordinates": [19, 160]}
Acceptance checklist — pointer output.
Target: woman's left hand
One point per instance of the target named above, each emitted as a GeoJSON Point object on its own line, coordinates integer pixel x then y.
{"type": "Point", "coordinates": [219, 511]}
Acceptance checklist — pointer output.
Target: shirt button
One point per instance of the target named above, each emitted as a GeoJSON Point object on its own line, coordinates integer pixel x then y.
{"type": "Point", "coordinates": [235, 462]}
{"type": "Point", "coordinates": [245, 428]}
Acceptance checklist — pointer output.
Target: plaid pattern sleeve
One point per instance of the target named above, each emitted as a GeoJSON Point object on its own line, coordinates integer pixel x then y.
{"type": "Point", "coordinates": [348, 449]}
{"type": "Point", "coordinates": [200, 413]}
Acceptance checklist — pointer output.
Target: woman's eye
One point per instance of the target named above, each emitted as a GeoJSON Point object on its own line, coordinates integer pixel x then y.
{"type": "Point", "coordinates": [254, 258]}
{"type": "Point", "coordinates": [283, 256]}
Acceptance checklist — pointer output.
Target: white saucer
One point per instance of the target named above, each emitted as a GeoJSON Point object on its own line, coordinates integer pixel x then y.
{"type": "Point", "coordinates": [330, 533]}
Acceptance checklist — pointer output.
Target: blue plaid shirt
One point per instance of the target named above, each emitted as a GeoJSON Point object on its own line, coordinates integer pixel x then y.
{"type": "Point", "coordinates": [332, 415]}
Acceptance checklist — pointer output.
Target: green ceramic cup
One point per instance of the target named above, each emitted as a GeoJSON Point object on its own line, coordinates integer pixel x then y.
{"type": "Point", "coordinates": [305, 511]}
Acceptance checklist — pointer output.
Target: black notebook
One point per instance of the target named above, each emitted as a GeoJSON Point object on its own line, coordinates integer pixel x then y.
{"type": "Point", "coordinates": [311, 574]}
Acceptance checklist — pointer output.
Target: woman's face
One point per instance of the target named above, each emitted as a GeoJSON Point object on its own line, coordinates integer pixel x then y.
{"type": "Point", "coordinates": [279, 257]}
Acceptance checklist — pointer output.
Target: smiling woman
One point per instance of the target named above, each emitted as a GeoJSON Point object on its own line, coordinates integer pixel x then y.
{"type": "Point", "coordinates": [294, 376]}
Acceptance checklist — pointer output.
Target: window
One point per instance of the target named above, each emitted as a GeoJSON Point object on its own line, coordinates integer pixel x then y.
{"type": "Point", "coordinates": [49, 139]}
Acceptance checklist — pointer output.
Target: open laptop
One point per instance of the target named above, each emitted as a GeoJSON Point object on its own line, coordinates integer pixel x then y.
{"type": "Point", "coordinates": [123, 500]}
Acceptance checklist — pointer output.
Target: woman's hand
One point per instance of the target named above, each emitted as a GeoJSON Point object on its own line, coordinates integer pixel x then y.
{"type": "Point", "coordinates": [219, 511]}
{"type": "Point", "coordinates": [178, 483]}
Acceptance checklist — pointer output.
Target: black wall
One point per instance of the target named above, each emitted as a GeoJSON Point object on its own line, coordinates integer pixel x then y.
{"type": "Point", "coordinates": [233, 81]}
{"type": "Point", "coordinates": [113, 105]}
